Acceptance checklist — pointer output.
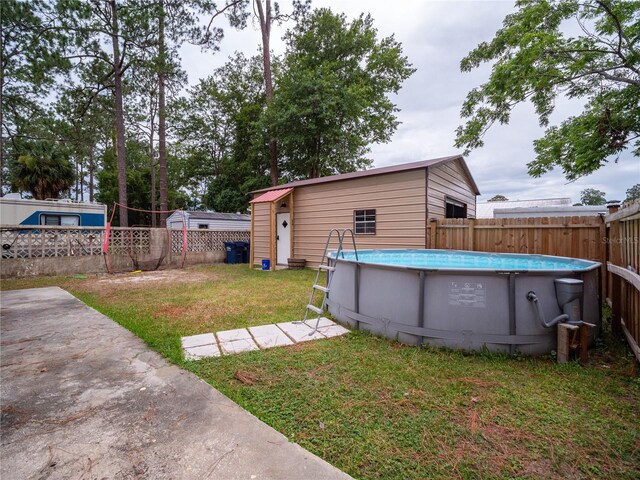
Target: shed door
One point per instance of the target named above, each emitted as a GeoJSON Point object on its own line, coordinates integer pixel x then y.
{"type": "Point", "coordinates": [283, 239]}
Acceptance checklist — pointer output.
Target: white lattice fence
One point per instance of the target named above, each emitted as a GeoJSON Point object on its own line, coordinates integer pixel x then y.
{"type": "Point", "coordinates": [20, 242]}
{"type": "Point", "coordinates": [206, 240]}
{"type": "Point", "coordinates": [123, 241]}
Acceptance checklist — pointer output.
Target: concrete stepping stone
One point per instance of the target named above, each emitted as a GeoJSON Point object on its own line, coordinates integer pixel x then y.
{"type": "Point", "coordinates": [333, 331]}
{"type": "Point", "coordinates": [267, 336]}
{"type": "Point", "coordinates": [324, 322]}
{"type": "Point", "coordinates": [198, 340]}
{"type": "Point", "coordinates": [299, 332]}
{"type": "Point", "coordinates": [233, 335]}
{"type": "Point", "coordinates": [240, 340]}
{"type": "Point", "coordinates": [238, 346]}
{"type": "Point", "coordinates": [202, 351]}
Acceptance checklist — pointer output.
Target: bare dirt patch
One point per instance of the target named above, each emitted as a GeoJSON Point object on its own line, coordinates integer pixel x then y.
{"type": "Point", "coordinates": [156, 277]}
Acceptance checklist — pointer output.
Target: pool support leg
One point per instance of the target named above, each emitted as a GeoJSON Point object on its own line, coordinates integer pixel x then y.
{"type": "Point", "coordinates": [512, 310]}
{"type": "Point", "coordinates": [421, 306]}
{"type": "Point", "coordinates": [357, 294]}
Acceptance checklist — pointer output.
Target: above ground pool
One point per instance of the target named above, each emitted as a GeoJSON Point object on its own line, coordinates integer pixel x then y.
{"type": "Point", "coordinates": [458, 299]}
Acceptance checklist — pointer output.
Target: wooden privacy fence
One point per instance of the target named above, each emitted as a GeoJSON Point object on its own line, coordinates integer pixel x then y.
{"type": "Point", "coordinates": [578, 237]}
{"type": "Point", "coordinates": [623, 264]}
{"type": "Point", "coordinates": [575, 237]}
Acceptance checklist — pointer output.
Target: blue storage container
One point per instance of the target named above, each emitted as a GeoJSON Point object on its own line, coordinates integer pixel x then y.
{"type": "Point", "coordinates": [266, 264]}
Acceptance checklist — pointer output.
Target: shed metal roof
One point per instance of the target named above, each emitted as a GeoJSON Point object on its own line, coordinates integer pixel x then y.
{"type": "Point", "coordinates": [374, 171]}
{"type": "Point", "coordinates": [219, 216]}
{"type": "Point", "coordinates": [177, 215]}
{"type": "Point", "coordinates": [272, 195]}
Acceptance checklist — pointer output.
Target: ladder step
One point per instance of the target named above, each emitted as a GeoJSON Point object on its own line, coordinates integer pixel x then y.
{"type": "Point", "coordinates": [328, 268]}
{"type": "Point", "coordinates": [313, 308]}
{"type": "Point", "coordinates": [321, 288]}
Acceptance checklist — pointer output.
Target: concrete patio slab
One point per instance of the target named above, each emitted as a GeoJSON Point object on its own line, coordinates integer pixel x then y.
{"type": "Point", "coordinates": [202, 351]}
{"type": "Point", "coordinates": [84, 398]}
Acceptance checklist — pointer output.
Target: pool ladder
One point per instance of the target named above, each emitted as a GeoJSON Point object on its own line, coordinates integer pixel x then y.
{"type": "Point", "coordinates": [327, 264]}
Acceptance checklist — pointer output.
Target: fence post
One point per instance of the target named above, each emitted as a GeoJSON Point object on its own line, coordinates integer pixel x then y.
{"type": "Point", "coordinates": [604, 279]}
{"type": "Point", "coordinates": [615, 246]}
{"type": "Point", "coordinates": [434, 230]}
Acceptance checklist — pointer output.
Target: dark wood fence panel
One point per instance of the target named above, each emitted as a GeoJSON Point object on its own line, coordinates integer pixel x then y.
{"type": "Point", "coordinates": [623, 266]}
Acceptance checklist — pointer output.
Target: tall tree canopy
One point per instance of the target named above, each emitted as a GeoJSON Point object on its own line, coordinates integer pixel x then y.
{"type": "Point", "coordinates": [31, 57]}
{"type": "Point", "coordinates": [331, 100]}
{"type": "Point", "coordinates": [224, 152]}
{"type": "Point", "coordinates": [633, 193]}
{"type": "Point", "coordinates": [45, 172]}
{"type": "Point", "coordinates": [592, 196]}
{"type": "Point", "coordinates": [536, 60]}
{"type": "Point", "coordinates": [498, 198]}
{"type": "Point", "coordinates": [100, 81]}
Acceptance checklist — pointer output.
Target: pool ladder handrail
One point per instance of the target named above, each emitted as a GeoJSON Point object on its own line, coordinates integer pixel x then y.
{"type": "Point", "coordinates": [329, 267]}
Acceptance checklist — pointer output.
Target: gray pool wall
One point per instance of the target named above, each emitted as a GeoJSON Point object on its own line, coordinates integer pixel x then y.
{"type": "Point", "coordinates": [468, 310]}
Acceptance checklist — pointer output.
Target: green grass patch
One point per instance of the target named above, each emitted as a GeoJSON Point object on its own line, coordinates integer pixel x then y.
{"type": "Point", "coordinates": [378, 409]}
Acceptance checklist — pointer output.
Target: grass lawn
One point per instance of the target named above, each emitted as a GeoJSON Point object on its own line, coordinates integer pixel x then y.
{"type": "Point", "coordinates": [375, 408]}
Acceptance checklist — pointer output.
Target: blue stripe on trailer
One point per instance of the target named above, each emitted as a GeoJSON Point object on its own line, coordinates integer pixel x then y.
{"type": "Point", "coordinates": [86, 219]}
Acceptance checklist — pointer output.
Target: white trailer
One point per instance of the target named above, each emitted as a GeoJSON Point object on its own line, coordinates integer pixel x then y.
{"type": "Point", "coordinates": [20, 211]}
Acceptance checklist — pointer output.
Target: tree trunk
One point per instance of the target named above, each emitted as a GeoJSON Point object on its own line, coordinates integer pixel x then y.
{"type": "Point", "coordinates": [265, 27]}
{"type": "Point", "coordinates": [77, 178]}
{"type": "Point", "coordinates": [119, 117]}
{"type": "Point", "coordinates": [91, 168]}
{"type": "Point", "coordinates": [162, 131]}
{"type": "Point", "coordinates": [82, 180]}
{"type": "Point", "coordinates": [152, 163]}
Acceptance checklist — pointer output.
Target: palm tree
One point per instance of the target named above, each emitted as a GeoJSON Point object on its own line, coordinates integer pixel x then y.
{"type": "Point", "coordinates": [46, 172]}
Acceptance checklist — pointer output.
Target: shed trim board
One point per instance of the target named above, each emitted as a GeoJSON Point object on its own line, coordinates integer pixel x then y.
{"type": "Point", "coordinates": [404, 197]}
{"type": "Point", "coordinates": [426, 207]}
{"type": "Point", "coordinates": [377, 171]}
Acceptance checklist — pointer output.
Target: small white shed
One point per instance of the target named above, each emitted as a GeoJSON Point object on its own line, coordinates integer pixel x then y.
{"type": "Point", "coordinates": [210, 221]}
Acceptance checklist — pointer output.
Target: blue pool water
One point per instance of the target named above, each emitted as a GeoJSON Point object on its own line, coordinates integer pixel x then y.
{"type": "Point", "coordinates": [462, 260]}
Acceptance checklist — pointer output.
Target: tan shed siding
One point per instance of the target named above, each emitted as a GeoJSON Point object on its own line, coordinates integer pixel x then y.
{"type": "Point", "coordinates": [399, 201]}
{"type": "Point", "coordinates": [449, 179]}
{"type": "Point", "coordinates": [261, 232]}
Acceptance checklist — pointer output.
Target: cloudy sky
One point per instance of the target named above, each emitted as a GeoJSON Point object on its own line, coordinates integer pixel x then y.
{"type": "Point", "coordinates": [435, 36]}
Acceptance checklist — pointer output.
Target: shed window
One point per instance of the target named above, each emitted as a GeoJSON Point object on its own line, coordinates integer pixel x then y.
{"type": "Point", "coordinates": [455, 209]}
{"type": "Point", "coordinates": [364, 221]}
{"type": "Point", "coordinates": [203, 226]}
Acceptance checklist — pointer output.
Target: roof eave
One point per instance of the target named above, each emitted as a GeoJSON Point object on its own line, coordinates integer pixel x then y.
{"type": "Point", "coordinates": [375, 171]}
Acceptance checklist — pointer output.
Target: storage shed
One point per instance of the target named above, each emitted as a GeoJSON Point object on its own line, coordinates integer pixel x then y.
{"type": "Point", "coordinates": [210, 220]}
{"type": "Point", "coordinates": [386, 207]}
